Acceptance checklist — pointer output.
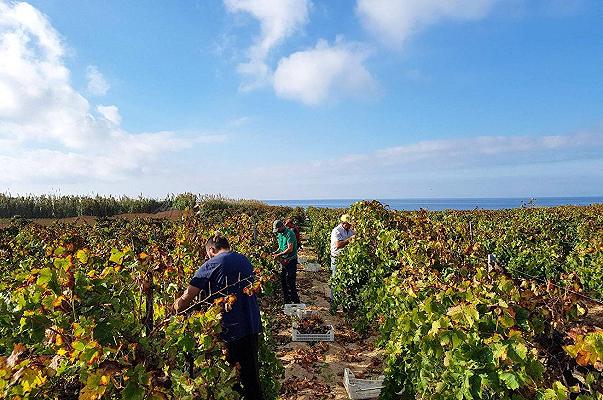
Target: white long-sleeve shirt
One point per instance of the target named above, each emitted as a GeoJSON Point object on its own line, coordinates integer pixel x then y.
{"type": "Point", "coordinates": [339, 233]}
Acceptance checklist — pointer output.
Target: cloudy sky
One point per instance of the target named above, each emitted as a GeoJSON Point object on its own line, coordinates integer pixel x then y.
{"type": "Point", "coordinates": [288, 99]}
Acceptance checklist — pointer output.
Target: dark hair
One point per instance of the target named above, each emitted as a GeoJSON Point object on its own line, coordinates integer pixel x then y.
{"type": "Point", "coordinates": [218, 242]}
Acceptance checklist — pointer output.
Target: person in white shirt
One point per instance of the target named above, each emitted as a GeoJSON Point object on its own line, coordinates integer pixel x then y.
{"type": "Point", "coordinates": [341, 236]}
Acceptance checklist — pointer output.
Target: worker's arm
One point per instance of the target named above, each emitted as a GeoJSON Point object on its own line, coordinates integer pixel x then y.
{"type": "Point", "coordinates": [342, 243]}
{"type": "Point", "coordinates": [288, 250]}
{"type": "Point", "coordinates": [187, 298]}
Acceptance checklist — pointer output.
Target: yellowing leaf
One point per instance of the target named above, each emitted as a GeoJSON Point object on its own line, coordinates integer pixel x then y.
{"type": "Point", "coordinates": [510, 379]}
{"type": "Point", "coordinates": [44, 276]}
{"type": "Point", "coordinates": [58, 301]}
{"type": "Point", "coordinates": [82, 256]}
{"type": "Point", "coordinates": [116, 257]}
{"type": "Point", "coordinates": [435, 327]}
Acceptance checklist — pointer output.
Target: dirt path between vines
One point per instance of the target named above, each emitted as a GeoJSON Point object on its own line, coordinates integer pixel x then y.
{"type": "Point", "coordinates": [315, 370]}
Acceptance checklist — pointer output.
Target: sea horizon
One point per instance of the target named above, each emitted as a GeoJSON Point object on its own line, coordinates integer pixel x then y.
{"type": "Point", "coordinates": [443, 203]}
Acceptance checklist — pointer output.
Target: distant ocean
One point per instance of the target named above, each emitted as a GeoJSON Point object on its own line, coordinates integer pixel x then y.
{"type": "Point", "coordinates": [443, 204]}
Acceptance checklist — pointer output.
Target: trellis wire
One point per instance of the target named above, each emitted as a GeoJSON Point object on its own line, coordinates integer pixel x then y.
{"type": "Point", "coordinates": [492, 260]}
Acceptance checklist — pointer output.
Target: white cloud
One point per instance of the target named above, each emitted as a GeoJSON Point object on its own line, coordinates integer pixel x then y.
{"type": "Point", "coordinates": [47, 128]}
{"type": "Point", "coordinates": [394, 21]}
{"type": "Point", "coordinates": [130, 154]}
{"type": "Point", "coordinates": [110, 113]}
{"type": "Point", "coordinates": [315, 75]}
{"type": "Point", "coordinates": [311, 76]}
{"type": "Point", "coordinates": [39, 103]}
{"type": "Point", "coordinates": [477, 151]}
{"type": "Point", "coordinates": [493, 149]}
{"type": "Point", "coordinates": [97, 85]}
{"type": "Point", "coordinates": [321, 73]}
{"type": "Point", "coordinates": [278, 20]}
{"type": "Point", "coordinates": [447, 162]}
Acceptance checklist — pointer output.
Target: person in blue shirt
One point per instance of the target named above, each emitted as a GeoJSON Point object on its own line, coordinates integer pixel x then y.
{"type": "Point", "coordinates": [228, 272]}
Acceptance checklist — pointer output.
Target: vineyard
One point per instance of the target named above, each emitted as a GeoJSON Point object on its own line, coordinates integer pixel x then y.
{"type": "Point", "coordinates": [454, 326]}
{"type": "Point", "coordinates": [86, 306]}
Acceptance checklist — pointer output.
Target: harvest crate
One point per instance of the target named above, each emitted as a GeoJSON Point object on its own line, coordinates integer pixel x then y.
{"type": "Point", "coordinates": [361, 388]}
{"type": "Point", "coordinates": [313, 337]}
{"type": "Point", "coordinates": [304, 313]}
{"type": "Point", "coordinates": [492, 259]}
{"type": "Point", "coordinates": [291, 309]}
{"type": "Point", "coordinates": [311, 267]}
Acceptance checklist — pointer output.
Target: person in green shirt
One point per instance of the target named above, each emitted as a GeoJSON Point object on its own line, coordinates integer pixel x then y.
{"type": "Point", "coordinates": [287, 256]}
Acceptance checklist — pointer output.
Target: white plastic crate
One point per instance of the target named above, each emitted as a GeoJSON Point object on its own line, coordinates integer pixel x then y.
{"type": "Point", "coordinates": [313, 337]}
{"type": "Point", "coordinates": [312, 267]}
{"type": "Point", "coordinates": [304, 313]}
{"type": "Point", "coordinates": [291, 309]}
{"type": "Point", "coordinates": [492, 259]}
{"type": "Point", "coordinates": [362, 388]}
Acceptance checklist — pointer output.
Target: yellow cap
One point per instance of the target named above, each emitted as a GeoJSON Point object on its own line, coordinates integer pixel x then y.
{"type": "Point", "coordinates": [346, 218]}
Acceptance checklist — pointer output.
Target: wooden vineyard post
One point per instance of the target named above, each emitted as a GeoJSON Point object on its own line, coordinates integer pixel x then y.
{"type": "Point", "coordinates": [255, 232]}
{"type": "Point", "coordinates": [149, 315]}
{"type": "Point", "coordinates": [190, 364]}
{"type": "Point", "coordinates": [492, 262]}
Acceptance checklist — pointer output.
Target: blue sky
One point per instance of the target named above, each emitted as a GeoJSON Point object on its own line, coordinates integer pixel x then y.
{"type": "Point", "coordinates": [303, 99]}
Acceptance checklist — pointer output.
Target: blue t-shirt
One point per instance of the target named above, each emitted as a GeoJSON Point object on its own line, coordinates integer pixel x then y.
{"type": "Point", "coordinates": [226, 269]}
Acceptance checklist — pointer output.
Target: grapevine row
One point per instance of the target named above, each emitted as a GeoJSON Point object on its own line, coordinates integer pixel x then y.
{"type": "Point", "coordinates": [453, 326]}
{"type": "Point", "coordinates": [86, 308]}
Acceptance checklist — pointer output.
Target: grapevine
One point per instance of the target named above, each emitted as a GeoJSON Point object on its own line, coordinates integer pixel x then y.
{"type": "Point", "coordinates": [87, 308]}
{"type": "Point", "coordinates": [455, 327]}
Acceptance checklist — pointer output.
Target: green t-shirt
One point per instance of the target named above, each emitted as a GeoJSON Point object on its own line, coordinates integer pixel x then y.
{"type": "Point", "coordinates": [284, 238]}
